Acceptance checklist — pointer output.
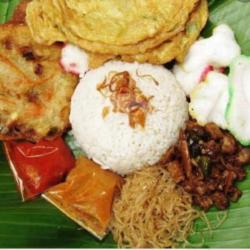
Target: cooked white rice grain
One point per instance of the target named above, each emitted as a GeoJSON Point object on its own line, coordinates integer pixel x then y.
{"type": "Point", "coordinates": [110, 141]}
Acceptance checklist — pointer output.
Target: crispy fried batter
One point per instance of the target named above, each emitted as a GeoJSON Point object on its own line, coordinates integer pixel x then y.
{"type": "Point", "coordinates": [35, 92]}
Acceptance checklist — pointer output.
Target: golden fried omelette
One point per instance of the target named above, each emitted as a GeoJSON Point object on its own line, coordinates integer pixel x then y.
{"type": "Point", "coordinates": [110, 30]}
{"type": "Point", "coordinates": [35, 92]}
{"type": "Point", "coordinates": [177, 47]}
{"type": "Point", "coordinates": [108, 27]}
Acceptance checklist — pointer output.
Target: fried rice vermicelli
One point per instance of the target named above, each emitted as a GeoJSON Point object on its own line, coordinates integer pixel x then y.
{"type": "Point", "coordinates": [152, 211]}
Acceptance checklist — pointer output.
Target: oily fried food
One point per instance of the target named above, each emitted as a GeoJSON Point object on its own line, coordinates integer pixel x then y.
{"type": "Point", "coordinates": [152, 211]}
{"type": "Point", "coordinates": [101, 30]}
{"type": "Point", "coordinates": [95, 46]}
{"type": "Point", "coordinates": [176, 48]}
{"type": "Point", "coordinates": [134, 27]}
{"type": "Point", "coordinates": [130, 21]}
{"type": "Point", "coordinates": [95, 60]}
{"type": "Point", "coordinates": [43, 30]}
{"type": "Point", "coordinates": [207, 162]}
{"type": "Point", "coordinates": [35, 92]}
{"type": "Point", "coordinates": [179, 45]}
{"type": "Point", "coordinates": [144, 31]}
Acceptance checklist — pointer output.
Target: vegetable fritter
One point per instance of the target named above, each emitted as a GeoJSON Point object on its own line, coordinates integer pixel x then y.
{"type": "Point", "coordinates": [35, 92]}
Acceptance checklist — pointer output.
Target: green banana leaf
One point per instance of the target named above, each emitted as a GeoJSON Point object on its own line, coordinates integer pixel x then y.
{"type": "Point", "coordinates": [3, 11]}
{"type": "Point", "coordinates": [236, 13]}
{"type": "Point", "coordinates": [6, 9]}
{"type": "Point", "coordinates": [37, 224]}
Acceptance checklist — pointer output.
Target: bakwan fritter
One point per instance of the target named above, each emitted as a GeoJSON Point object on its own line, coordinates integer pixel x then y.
{"type": "Point", "coordinates": [35, 92]}
{"type": "Point", "coordinates": [131, 30]}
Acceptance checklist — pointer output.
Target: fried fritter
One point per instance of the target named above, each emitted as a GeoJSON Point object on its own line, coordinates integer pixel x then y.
{"type": "Point", "coordinates": [140, 25]}
{"type": "Point", "coordinates": [35, 92]}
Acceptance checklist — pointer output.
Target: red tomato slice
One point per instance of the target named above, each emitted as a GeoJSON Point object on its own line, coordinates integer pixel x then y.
{"type": "Point", "coordinates": [38, 166]}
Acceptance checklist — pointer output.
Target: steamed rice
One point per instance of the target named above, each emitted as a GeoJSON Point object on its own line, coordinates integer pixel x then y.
{"type": "Point", "coordinates": [110, 141]}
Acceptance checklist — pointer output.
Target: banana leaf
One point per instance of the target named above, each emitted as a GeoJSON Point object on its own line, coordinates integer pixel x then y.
{"type": "Point", "coordinates": [37, 224]}
{"type": "Point", "coordinates": [3, 10]}
{"type": "Point", "coordinates": [7, 8]}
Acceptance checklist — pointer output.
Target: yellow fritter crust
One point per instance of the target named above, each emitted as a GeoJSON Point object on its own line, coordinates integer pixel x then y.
{"type": "Point", "coordinates": [35, 92]}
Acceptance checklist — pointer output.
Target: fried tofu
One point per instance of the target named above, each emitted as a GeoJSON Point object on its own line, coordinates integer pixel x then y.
{"type": "Point", "coordinates": [35, 92]}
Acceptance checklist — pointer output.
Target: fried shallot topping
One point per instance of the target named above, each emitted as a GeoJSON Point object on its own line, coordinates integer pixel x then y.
{"type": "Point", "coordinates": [126, 98]}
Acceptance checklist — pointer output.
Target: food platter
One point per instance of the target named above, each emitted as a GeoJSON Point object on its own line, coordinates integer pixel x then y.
{"type": "Point", "coordinates": [38, 224]}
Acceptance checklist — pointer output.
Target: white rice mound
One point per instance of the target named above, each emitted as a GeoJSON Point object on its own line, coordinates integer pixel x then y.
{"type": "Point", "coordinates": [110, 141]}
